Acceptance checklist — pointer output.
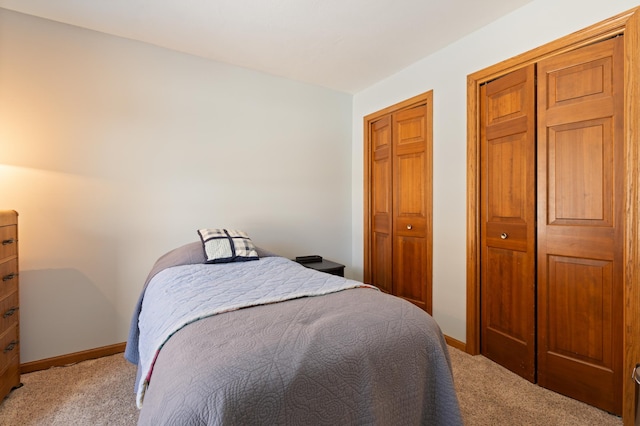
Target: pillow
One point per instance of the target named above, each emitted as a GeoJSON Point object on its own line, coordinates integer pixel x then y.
{"type": "Point", "coordinates": [226, 245]}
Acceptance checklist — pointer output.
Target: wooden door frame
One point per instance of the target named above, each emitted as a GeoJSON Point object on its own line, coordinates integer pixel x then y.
{"type": "Point", "coordinates": [627, 23]}
{"type": "Point", "coordinates": [425, 98]}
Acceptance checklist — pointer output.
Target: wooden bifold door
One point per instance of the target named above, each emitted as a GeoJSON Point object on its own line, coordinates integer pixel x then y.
{"type": "Point", "coordinates": [551, 198]}
{"type": "Point", "coordinates": [398, 200]}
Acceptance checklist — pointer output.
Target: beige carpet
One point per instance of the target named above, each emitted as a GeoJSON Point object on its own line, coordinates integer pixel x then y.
{"type": "Point", "coordinates": [492, 395]}
{"type": "Point", "coordinates": [100, 392]}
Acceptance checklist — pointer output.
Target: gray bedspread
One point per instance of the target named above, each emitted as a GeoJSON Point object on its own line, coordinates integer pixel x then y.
{"type": "Point", "coordinates": [356, 356]}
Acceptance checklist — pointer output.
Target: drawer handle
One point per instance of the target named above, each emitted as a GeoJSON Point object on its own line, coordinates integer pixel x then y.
{"type": "Point", "coordinates": [9, 312]}
{"type": "Point", "coordinates": [9, 277]}
{"type": "Point", "coordinates": [504, 236]}
{"type": "Point", "coordinates": [10, 346]}
{"type": "Point", "coordinates": [7, 242]}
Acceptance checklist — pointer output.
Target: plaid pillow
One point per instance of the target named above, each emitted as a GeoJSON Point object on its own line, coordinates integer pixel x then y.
{"type": "Point", "coordinates": [226, 245]}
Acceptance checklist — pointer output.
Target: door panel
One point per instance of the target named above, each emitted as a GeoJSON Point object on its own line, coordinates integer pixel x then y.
{"type": "Point", "coordinates": [580, 216]}
{"type": "Point", "coordinates": [508, 221]}
{"type": "Point", "coordinates": [411, 198]}
{"type": "Point", "coordinates": [381, 242]}
{"type": "Point", "coordinates": [410, 269]}
{"type": "Point", "coordinates": [584, 283]}
{"type": "Point", "coordinates": [580, 180]}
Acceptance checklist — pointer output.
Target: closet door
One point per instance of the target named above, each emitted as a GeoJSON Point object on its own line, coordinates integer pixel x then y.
{"type": "Point", "coordinates": [411, 206]}
{"type": "Point", "coordinates": [580, 217]}
{"type": "Point", "coordinates": [508, 221]}
{"type": "Point", "coordinates": [381, 199]}
{"type": "Point", "coordinates": [398, 200]}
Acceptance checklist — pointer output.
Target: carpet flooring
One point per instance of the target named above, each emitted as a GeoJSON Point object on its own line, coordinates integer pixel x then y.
{"type": "Point", "coordinates": [100, 392]}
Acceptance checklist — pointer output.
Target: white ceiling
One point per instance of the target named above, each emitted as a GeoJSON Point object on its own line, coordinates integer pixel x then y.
{"type": "Point", "coordinates": [346, 45]}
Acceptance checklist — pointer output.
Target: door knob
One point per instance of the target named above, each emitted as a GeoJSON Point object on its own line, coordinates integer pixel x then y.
{"type": "Point", "coordinates": [504, 235]}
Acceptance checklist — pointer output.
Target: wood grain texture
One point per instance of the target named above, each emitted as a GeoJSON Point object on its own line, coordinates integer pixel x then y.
{"type": "Point", "coordinates": [381, 204]}
{"type": "Point", "coordinates": [508, 218]}
{"type": "Point", "coordinates": [398, 199]}
{"type": "Point", "coordinates": [626, 23]}
{"type": "Point", "coordinates": [9, 303]}
{"type": "Point", "coordinates": [412, 185]}
{"type": "Point", "coordinates": [73, 358]}
{"type": "Point", "coordinates": [580, 223]}
{"type": "Point", "coordinates": [631, 355]}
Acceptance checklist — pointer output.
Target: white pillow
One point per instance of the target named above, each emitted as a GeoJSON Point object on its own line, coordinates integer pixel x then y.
{"type": "Point", "coordinates": [227, 245]}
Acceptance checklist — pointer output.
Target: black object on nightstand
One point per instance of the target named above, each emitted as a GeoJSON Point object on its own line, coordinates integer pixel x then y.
{"type": "Point", "coordinates": [320, 264]}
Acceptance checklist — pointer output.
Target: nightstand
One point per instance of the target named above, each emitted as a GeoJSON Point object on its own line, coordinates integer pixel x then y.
{"type": "Point", "coordinates": [327, 266]}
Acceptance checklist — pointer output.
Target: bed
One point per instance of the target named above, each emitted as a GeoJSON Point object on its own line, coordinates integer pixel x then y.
{"type": "Point", "coordinates": [267, 341]}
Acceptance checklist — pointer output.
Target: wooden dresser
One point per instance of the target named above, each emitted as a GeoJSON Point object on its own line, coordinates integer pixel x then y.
{"type": "Point", "coordinates": [9, 303]}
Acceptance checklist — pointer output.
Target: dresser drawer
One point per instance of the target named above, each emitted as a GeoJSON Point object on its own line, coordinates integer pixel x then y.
{"type": "Point", "coordinates": [9, 299]}
{"type": "Point", "coordinates": [8, 241]}
{"type": "Point", "coordinates": [8, 312]}
{"type": "Point", "coordinates": [10, 375]}
{"type": "Point", "coordinates": [9, 347]}
{"type": "Point", "coordinates": [8, 277]}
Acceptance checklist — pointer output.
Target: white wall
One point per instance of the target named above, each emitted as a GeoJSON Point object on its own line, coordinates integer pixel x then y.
{"type": "Point", "coordinates": [445, 72]}
{"type": "Point", "coordinates": [114, 152]}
